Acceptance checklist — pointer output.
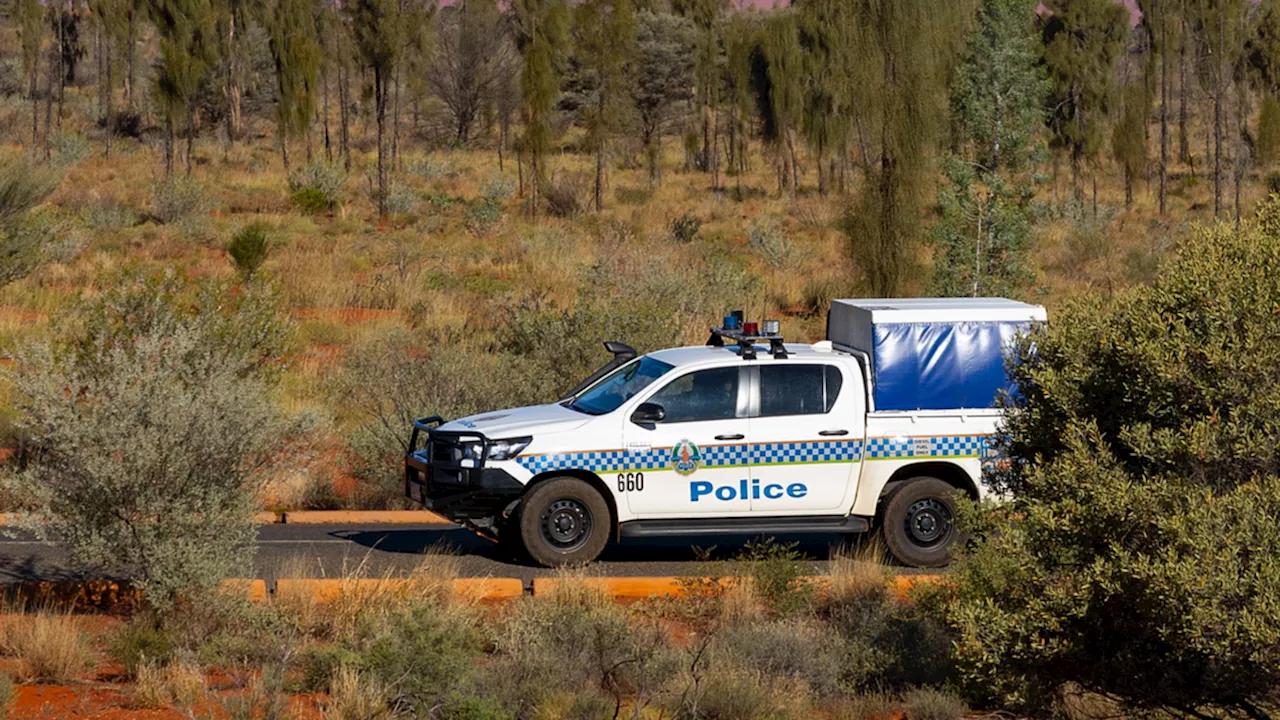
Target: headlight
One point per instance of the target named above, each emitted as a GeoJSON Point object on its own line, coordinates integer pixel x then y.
{"type": "Point", "coordinates": [509, 448]}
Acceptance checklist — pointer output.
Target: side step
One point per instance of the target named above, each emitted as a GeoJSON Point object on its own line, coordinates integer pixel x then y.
{"type": "Point", "coordinates": [745, 525]}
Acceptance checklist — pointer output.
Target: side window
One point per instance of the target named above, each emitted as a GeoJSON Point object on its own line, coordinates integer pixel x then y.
{"type": "Point", "coordinates": [798, 389]}
{"type": "Point", "coordinates": [700, 395]}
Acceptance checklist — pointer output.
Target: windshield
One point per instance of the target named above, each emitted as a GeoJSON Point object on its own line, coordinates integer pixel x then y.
{"type": "Point", "coordinates": [620, 386]}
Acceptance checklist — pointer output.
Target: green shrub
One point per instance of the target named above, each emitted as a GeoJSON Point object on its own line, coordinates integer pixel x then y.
{"type": "Point", "coordinates": [429, 168]}
{"type": "Point", "coordinates": [178, 197]}
{"type": "Point", "coordinates": [779, 576]}
{"type": "Point", "coordinates": [401, 199]}
{"type": "Point", "coordinates": [22, 187]}
{"type": "Point", "coordinates": [685, 228]}
{"type": "Point", "coordinates": [151, 470]}
{"type": "Point", "coordinates": [792, 648]}
{"type": "Point", "coordinates": [1145, 479]}
{"type": "Point", "coordinates": [930, 704]}
{"type": "Point", "coordinates": [70, 148]}
{"type": "Point", "coordinates": [310, 200]}
{"type": "Point", "coordinates": [248, 249]}
{"type": "Point", "coordinates": [110, 214]}
{"type": "Point", "coordinates": [316, 180]}
{"type": "Point", "coordinates": [318, 664]}
{"type": "Point", "coordinates": [498, 189]}
{"type": "Point", "coordinates": [482, 217]}
{"type": "Point", "coordinates": [141, 642]}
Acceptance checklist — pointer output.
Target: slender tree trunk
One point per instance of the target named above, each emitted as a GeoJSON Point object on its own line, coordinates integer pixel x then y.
{"type": "Point", "coordinates": [599, 188]}
{"type": "Point", "coordinates": [395, 118]}
{"type": "Point", "coordinates": [520, 171]}
{"type": "Point", "coordinates": [232, 81]}
{"type": "Point", "coordinates": [168, 145]}
{"type": "Point", "coordinates": [1217, 152]}
{"type": "Point", "coordinates": [1164, 109]}
{"type": "Point", "coordinates": [1184, 138]}
{"type": "Point", "coordinates": [109, 124]}
{"type": "Point", "coordinates": [284, 152]}
{"type": "Point", "coordinates": [35, 103]}
{"type": "Point", "coordinates": [380, 109]}
{"type": "Point", "coordinates": [48, 109]}
{"type": "Point", "coordinates": [1128, 189]}
{"type": "Point", "coordinates": [129, 55]}
{"type": "Point", "coordinates": [344, 110]}
{"type": "Point", "coordinates": [62, 65]}
{"type": "Point", "coordinates": [324, 84]}
{"type": "Point", "coordinates": [191, 133]}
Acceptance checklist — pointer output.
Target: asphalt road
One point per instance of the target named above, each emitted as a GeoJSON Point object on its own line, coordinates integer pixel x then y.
{"type": "Point", "coordinates": [388, 550]}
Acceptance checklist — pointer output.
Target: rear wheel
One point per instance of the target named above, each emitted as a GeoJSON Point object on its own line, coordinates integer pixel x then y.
{"type": "Point", "coordinates": [918, 522]}
{"type": "Point", "coordinates": [564, 521]}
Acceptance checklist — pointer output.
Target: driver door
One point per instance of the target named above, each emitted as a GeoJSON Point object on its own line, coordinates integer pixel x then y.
{"type": "Point", "coordinates": [694, 462]}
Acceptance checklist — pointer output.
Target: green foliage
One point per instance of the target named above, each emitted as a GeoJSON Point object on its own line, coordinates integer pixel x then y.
{"type": "Point", "coordinates": [1268, 144]}
{"type": "Point", "coordinates": [779, 576]}
{"type": "Point", "coordinates": [326, 179]}
{"type": "Point", "coordinates": [310, 200]}
{"type": "Point", "coordinates": [296, 52]}
{"type": "Point", "coordinates": [22, 187]}
{"type": "Point", "coordinates": [542, 26]}
{"type": "Point", "coordinates": [663, 74]}
{"type": "Point", "coordinates": [482, 217]}
{"type": "Point", "coordinates": [177, 198]}
{"type": "Point", "coordinates": [248, 249]}
{"type": "Point", "coordinates": [685, 228]}
{"type": "Point", "coordinates": [900, 71]}
{"type": "Point", "coordinates": [150, 470]}
{"type": "Point", "coordinates": [984, 232]}
{"type": "Point", "coordinates": [70, 148]}
{"type": "Point", "coordinates": [1144, 480]}
{"type": "Point", "coordinates": [141, 642]}
{"type": "Point", "coordinates": [1129, 137]}
{"type": "Point", "coordinates": [1083, 39]}
{"type": "Point", "coordinates": [999, 89]}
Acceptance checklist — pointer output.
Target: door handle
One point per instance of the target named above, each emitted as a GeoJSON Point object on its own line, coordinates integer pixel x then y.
{"type": "Point", "coordinates": [738, 436]}
{"type": "Point", "coordinates": [829, 433]}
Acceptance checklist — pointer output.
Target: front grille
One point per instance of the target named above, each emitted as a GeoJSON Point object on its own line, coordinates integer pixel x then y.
{"type": "Point", "coordinates": [445, 451]}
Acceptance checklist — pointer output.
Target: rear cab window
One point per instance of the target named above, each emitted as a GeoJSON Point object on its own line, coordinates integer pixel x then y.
{"type": "Point", "coordinates": [798, 389]}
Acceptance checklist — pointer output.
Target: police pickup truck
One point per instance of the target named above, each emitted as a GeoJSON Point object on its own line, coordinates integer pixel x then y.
{"type": "Point", "coordinates": [875, 428]}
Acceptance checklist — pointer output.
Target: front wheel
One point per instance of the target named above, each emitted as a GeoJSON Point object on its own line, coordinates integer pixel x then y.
{"type": "Point", "coordinates": [918, 522]}
{"type": "Point", "coordinates": [564, 521]}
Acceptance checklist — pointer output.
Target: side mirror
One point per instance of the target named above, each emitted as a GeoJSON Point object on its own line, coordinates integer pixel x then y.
{"type": "Point", "coordinates": [620, 350]}
{"type": "Point", "coordinates": [648, 414]}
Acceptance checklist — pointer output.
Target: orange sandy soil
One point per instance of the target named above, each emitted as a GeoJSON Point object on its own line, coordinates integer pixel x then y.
{"type": "Point", "coordinates": [108, 702]}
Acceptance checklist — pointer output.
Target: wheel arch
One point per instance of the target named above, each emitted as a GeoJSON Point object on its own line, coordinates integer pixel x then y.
{"type": "Point", "coordinates": [591, 479]}
{"type": "Point", "coordinates": [949, 473]}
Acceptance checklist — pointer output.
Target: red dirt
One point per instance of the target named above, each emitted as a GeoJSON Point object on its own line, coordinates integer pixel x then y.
{"type": "Point", "coordinates": [59, 702]}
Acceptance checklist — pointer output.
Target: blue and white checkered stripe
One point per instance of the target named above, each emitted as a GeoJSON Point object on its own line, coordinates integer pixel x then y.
{"type": "Point", "coordinates": [802, 453]}
{"type": "Point", "coordinates": [883, 448]}
{"type": "Point", "coordinates": [603, 461]}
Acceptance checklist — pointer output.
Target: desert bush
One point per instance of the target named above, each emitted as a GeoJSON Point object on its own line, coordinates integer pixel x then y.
{"type": "Point", "coordinates": [310, 200]}
{"type": "Point", "coordinates": [110, 214]}
{"type": "Point", "coordinates": [22, 187]}
{"type": "Point", "coordinates": [785, 649]}
{"type": "Point", "coordinates": [70, 148]}
{"type": "Point", "coordinates": [685, 228]}
{"type": "Point", "coordinates": [248, 249]}
{"type": "Point", "coordinates": [50, 647]}
{"type": "Point", "coordinates": [733, 694]}
{"type": "Point", "coordinates": [178, 197]}
{"type": "Point", "coordinates": [264, 699]}
{"type": "Point", "coordinates": [429, 168]}
{"type": "Point", "coordinates": [401, 199]}
{"type": "Point", "coordinates": [767, 237]}
{"type": "Point", "coordinates": [779, 576]}
{"type": "Point", "coordinates": [498, 189]}
{"type": "Point", "coordinates": [316, 180]}
{"type": "Point", "coordinates": [633, 195]}
{"type": "Point", "coordinates": [141, 643]}
{"type": "Point", "coordinates": [177, 684]}
{"type": "Point", "coordinates": [482, 217]}
{"type": "Point", "coordinates": [578, 639]}
{"type": "Point", "coordinates": [395, 377]}
{"type": "Point", "coordinates": [1151, 581]}
{"type": "Point", "coordinates": [931, 704]}
{"type": "Point", "coordinates": [564, 194]}
{"type": "Point", "coordinates": [150, 471]}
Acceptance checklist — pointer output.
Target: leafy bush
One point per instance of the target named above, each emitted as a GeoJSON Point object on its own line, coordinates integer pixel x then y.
{"type": "Point", "coordinates": [498, 189]}
{"type": "Point", "coordinates": [70, 148]}
{"type": "Point", "coordinates": [110, 214]}
{"type": "Point", "coordinates": [401, 199]}
{"type": "Point", "coordinates": [1145, 479]}
{"type": "Point", "coordinates": [430, 169]}
{"type": "Point", "coordinates": [482, 217]}
{"type": "Point", "coordinates": [564, 194]}
{"type": "Point", "coordinates": [140, 643]}
{"type": "Point", "coordinates": [150, 469]}
{"type": "Point", "coordinates": [50, 647]}
{"type": "Point", "coordinates": [316, 180]}
{"type": "Point", "coordinates": [685, 228]}
{"type": "Point", "coordinates": [779, 577]}
{"type": "Point", "coordinates": [178, 197]}
{"type": "Point", "coordinates": [22, 187]}
{"type": "Point", "coordinates": [248, 249]}
{"type": "Point", "coordinates": [311, 200]}
{"type": "Point", "coordinates": [785, 649]}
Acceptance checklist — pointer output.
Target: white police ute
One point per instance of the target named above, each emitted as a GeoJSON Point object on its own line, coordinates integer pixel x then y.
{"type": "Point", "coordinates": [875, 428]}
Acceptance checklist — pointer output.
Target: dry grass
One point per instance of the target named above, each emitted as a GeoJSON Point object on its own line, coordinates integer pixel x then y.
{"type": "Point", "coordinates": [50, 647]}
{"type": "Point", "coordinates": [177, 684]}
{"type": "Point", "coordinates": [856, 570]}
{"type": "Point", "coordinates": [354, 697]}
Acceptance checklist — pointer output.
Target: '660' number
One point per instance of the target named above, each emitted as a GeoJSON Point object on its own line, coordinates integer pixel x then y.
{"type": "Point", "coordinates": [630, 482]}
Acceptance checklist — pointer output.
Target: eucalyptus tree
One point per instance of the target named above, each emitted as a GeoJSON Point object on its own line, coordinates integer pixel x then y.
{"type": "Point", "coordinates": [295, 49]}
{"type": "Point", "coordinates": [188, 48]}
{"type": "Point", "coordinates": [605, 36]}
{"type": "Point", "coordinates": [541, 30]}
{"type": "Point", "coordinates": [662, 76]}
{"type": "Point", "coordinates": [473, 55]}
{"type": "Point", "coordinates": [377, 28]}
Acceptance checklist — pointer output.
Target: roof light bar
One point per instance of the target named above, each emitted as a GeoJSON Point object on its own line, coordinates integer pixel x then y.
{"type": "Point", "coordinates": [745, 335]}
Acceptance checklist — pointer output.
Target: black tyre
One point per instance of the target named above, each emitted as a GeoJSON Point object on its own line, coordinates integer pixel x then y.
{"type": "Point", "coordinates": [917, 521]}
{"type": "Point", "coordinates": [564, 521]}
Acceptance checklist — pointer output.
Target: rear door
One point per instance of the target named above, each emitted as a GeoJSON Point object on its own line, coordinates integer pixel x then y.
{"type": "Point", "coordinates": [695, 459]}
{"type": "Point", "coordinates": [806, 433]}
